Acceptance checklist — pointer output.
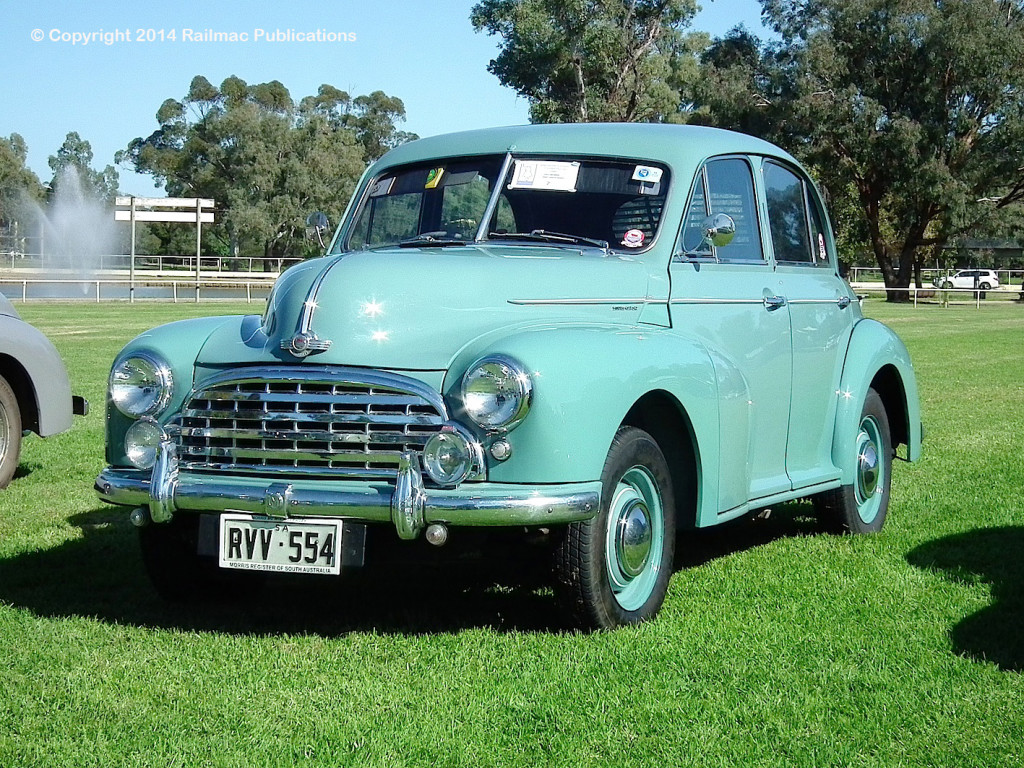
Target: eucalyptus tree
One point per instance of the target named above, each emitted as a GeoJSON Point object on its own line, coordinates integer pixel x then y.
{"type": "Point", "coordinates": [267, 160]}
{"type": "Point", "coordinates": [593, 60]}
{"type": "Point", "coordinates": [911, 112]}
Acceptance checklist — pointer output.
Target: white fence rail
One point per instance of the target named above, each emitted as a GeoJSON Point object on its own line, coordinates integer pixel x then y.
{"type": "Point", "coordinates": [107, 289]}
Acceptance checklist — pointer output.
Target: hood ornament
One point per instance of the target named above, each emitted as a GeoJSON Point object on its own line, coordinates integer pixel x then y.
{"type": "Point", "coordinates": [305, 343]}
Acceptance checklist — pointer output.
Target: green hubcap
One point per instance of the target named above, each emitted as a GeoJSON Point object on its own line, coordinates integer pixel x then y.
{"type": "Point", "coordinates": [870, 469]}
{"type": "Point", "coordinates": [634, 538]}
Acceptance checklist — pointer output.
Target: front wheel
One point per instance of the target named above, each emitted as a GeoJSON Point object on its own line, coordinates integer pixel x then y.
{"type": "Point", "coordinates": [862, 506]}
{"type": "Point", "coordinates": [10, 433]}
{"type": "Point", "coordinates": [614, 568]}
{"type": "Point", "coordinates": [947, 284]}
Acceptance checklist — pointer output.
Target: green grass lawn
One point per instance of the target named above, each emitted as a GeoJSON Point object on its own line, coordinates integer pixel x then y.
{"type": "Point", "coordinates": [778, 645]}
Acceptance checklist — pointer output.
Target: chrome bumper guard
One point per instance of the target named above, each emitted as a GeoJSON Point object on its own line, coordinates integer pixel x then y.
{"type": "Point", "coordinates": [407, 504]}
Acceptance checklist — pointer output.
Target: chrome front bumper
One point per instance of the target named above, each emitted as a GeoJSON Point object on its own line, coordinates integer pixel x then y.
{"type": "Point", "coordinates": [407, 504]}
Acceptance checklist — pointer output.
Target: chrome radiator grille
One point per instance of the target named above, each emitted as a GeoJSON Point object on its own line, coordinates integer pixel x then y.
{"type": "Point", "coordinates": [324, 422]}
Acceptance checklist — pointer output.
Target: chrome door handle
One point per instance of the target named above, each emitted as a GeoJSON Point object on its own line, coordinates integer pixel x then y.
{"type": "Point", "coordinates": [771, 303]}
{"type": "Point", "coordinates": [843, 302]}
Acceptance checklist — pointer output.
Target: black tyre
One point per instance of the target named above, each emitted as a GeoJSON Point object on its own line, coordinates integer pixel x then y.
{"type": "Point", "coordinates": [985, 287]}
{"type": "Point", "coordinates": [862, 506]}
{"type": "Point", "coordinates": [947, 284]}
{"type": "Point", "coordinates": [614, 569]}
{"type": "Point", "coordinates": [10, 433]}
{"type": "Point", "coordinates": [176, 570]}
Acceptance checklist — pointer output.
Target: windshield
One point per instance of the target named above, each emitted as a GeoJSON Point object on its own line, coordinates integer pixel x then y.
{"type": "Point", "coordinates": [563, 201]}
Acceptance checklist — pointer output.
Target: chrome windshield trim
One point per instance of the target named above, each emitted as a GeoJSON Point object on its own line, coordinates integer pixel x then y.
{"type": "Point", "coordinates": [492, 202]}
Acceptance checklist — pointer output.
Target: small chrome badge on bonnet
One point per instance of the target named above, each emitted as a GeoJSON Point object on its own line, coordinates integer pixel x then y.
{"type": "Point", "coordinates": [304, 344]}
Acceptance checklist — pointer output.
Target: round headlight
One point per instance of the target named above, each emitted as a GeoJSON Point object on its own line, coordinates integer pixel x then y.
{"type": "Point", "coordinates": [140, 385]}
{"type": "Point", "coordinates": [449, 457]}
{"type": "Point", "coordinates": [141, 441]}
{"type": "Point", "coordinates": [496, 392]}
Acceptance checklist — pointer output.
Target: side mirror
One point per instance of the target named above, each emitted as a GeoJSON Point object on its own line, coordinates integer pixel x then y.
{"type": "Point", "coordinates": [317, 224]}
{"type": "Point", "coordinates": [719, 229]}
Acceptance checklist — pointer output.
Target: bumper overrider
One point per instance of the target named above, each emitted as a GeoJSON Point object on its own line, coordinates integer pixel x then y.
{"type": "Point", "coordinates": [406, 503]}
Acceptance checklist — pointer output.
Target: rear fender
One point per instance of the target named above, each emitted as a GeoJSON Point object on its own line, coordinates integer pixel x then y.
{"type": "Point", "coordinates": [875, 354]}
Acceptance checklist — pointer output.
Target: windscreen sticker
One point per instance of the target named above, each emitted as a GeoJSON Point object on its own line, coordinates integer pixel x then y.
{"type": "Point", "coordinates": [634, 238]}
{"type": "Point", "coordinates": [434, 178]}
{"type": "Point", "coordinates": [550, 175]}
{"type": "Point", "coordinates": [382, 187]}
{"type": "Point", "coordinates": [822, 253]}
{"type": "Point", "coordinates": [647, 173]}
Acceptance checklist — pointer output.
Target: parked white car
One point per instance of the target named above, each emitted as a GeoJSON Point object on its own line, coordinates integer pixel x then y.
{"type": "Point", "coordinates": [984, 279]}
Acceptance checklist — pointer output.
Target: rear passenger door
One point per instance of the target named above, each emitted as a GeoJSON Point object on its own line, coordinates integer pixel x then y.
{"type": "Point", "coordinates": [725, 298]}
{"type": "Point", "coordinates": [819, 310]}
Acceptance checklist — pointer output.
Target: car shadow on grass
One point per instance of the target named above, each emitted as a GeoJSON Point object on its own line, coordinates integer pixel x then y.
{"type": "Point", "coordinates": [994, 556]}
{"type": "Point", "coordinates": [406, 589]}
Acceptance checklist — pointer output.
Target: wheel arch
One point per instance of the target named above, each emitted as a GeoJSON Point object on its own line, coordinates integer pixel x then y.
{"type": "Point", "coordinates": [24, 390]}
{"type": "Point", "coordinates": [889, 385]}
{"type": "Point", "coordinates": [665, 419]}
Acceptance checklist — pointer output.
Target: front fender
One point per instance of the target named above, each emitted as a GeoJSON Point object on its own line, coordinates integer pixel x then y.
{"type": "Point", "coordinates": [586, 379]}
{"type": "Point", "coordinates": [30, 350]}
{"type": "Point", "coordinates": [178, 344]}
{"type": "Point", "coordinates": [875, 351]}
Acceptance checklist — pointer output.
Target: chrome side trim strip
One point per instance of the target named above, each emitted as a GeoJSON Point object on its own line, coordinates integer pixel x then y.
{"type": "Point", "coordinates": [577, 302]}
{"type": "Point", "coordinates": [717, 301]}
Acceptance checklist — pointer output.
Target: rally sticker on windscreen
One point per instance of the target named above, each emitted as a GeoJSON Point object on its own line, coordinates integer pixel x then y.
{"type": "Point", "coordinates": [634, 238]}
{"type": "Point", "coordinates": [647, 173]}
{"type": "Point", "coordinates": [548, 175]}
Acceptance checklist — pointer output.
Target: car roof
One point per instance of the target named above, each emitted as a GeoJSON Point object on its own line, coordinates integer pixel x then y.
{"type": "Point", "coordinates": [675, 145]}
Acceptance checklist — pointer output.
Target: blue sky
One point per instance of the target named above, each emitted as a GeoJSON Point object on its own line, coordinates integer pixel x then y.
{"type": "Point", "coordinates": [426, 53]}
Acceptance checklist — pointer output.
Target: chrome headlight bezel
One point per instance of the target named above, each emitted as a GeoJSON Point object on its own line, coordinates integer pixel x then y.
{"type": "Point", "coordinates": [472, 450]}
{"type": "Point", "coordinates": [505, 408]}
{"type": "Point", "coordinates": [157, 394]}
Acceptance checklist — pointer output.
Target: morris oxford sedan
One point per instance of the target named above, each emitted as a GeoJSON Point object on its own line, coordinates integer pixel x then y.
{"type": "Point", "coordinates": [604, 336]}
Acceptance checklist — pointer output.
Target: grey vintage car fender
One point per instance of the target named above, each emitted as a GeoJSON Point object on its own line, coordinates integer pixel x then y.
{"type": "Point", "coordinates": [875, 354]}
{"type": "Point", "coordinates": [33, 367]}
{"type": "Point", "coordinates": [586, 379]}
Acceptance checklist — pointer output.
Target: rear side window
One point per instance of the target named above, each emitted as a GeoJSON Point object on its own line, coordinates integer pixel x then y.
{"type": "Point", "coordinates": [794, 218]}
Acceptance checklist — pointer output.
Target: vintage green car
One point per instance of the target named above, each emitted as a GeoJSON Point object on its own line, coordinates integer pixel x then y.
{"type": "Point", "coordinates": [601, 335]}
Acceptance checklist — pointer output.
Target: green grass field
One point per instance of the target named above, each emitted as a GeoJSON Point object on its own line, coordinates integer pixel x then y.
{"type": "Point", "coordinates": [778, 645]}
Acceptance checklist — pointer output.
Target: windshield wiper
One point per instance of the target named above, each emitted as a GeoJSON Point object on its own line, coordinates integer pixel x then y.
{"type": "Point", "coordinates": [546, 236]}
{"type": "Point", "coordinates": [438, 239]}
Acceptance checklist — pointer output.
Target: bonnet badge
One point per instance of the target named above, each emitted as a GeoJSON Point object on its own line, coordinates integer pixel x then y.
{"type": "Point", "coordinates": [303, 344]}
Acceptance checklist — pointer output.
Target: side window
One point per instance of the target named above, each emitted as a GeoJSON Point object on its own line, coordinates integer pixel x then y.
{"type": "Point", "coordinates": [819, 246]}
{"type": "Point", "coordinates": [693, 222]}
{"type": "Point", "coordinates": [730, 190]}
{"type": "Point", "coordinates": [787, 215]}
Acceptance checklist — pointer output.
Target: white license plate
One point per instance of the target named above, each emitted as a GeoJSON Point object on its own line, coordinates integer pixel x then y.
{"type": "Point", "coordinates": [285, 546]}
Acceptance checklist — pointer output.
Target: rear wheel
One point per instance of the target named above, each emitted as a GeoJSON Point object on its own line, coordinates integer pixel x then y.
{"type": "Point", "coordinates": [10, 433]}
{"type": "Point", "coordinates": [985, 287]}
{"type": "Point", "coordinates": [862, 507]}
{"type": "Point", "coordinates": [614, 568]}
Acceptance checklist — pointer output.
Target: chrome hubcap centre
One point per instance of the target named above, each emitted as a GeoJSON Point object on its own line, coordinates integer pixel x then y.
{"type": "Point", "coordinates": [867, 466]}
{"type": "Point", "coordinates": [633, 537]}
